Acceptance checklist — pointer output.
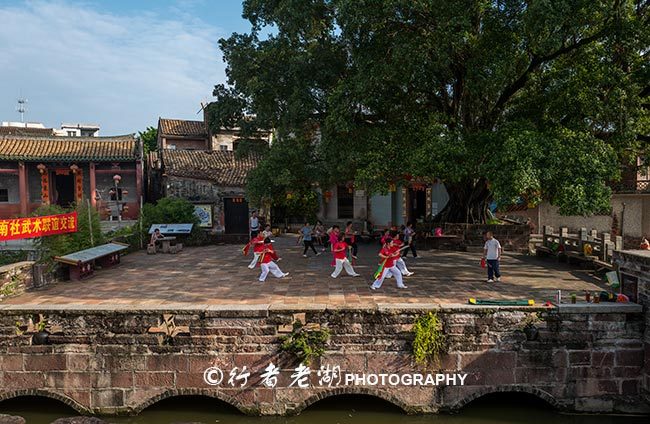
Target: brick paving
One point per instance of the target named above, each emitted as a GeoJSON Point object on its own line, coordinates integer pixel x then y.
{"type": "Point", "coordinates": [217, 275]}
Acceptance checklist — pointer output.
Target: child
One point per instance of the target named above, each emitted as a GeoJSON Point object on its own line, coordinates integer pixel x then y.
{"type": "Point", "coordinates": [258, 248]}
{"type": "Point", "coordinates": [266, 263]}
{"type": "Point", "coordinates": [389, 255]}
{"type": "Point", "coordinates": [492, 254]}
{"type": "Point", "coordinates": [339, 250]}
{"type": "Point", "coordinates": [306, 233]}
{"type": "Point", "coordinates": [409, 239]}
{"type": "Point", "coordinates": [350, 238]}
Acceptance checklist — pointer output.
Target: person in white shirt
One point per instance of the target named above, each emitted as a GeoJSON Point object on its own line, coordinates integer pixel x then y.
{"type": "Point", "coordinates": [492, 255]}
{"type": "Point", "coordinates": [254, 225]}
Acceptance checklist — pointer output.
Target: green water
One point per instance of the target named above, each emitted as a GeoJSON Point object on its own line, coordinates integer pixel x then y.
{"type": "Point", "coordinates": [510, 409]}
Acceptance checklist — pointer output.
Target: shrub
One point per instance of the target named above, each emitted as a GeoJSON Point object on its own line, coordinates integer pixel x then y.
{"type": "Point", "coordinates": [62, 244]}
{"type": "Point", "coordinates": [429, 341]}
{"type": "Point", "coordinates": [169, 210]}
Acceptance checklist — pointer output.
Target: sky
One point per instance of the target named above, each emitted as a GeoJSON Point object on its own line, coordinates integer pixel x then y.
{"type": "Point", "coordinates": [121, 64]}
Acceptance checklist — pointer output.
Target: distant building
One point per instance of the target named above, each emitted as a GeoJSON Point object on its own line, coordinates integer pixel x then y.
{"type": "Point", "coordinates": [36, 171]}
{"type": "Point", "coordinates": [25, 128]}
{"type": "Point", "coordinates": [78, 130]}
{"type": "Point", "coordinates": [194, 164]}
{"type": "Point", "coordinates": [178, 134]}
{"type": "Point", "coordinates": [214, 181]}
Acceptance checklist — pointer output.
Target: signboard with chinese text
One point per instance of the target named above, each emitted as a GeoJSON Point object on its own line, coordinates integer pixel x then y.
{"type": "Point", "coordinates": [38, 226]}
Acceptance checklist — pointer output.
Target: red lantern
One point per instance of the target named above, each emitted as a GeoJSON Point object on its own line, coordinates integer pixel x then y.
{"type": "Point", "coordinates": [328, 195]}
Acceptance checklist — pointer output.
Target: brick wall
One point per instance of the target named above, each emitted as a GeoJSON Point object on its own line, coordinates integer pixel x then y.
{"type": "Point", "coordinates": [110, 362]}
{"type": "Point", "coordinates": [15, 279]}
{"type": "Point", "coordinates": [637, 264]}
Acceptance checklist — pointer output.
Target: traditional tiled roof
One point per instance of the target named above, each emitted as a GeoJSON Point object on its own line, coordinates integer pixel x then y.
{"type": "Point", "coordinates": [29, 132]}
{"type": "Point", "coordinates": [69, 149]}
{"type": "Point", "coordinates": [179, 127]}
{"type": "Point", "coordinates": [221, 167]}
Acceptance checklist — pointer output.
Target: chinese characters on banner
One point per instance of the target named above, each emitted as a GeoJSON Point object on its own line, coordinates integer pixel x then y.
{"type": "Point", "coordinates": [38, 226]}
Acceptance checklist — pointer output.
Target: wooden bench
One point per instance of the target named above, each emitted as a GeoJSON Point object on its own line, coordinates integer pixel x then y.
{"type": "Point", "coordinates": [82, 263]}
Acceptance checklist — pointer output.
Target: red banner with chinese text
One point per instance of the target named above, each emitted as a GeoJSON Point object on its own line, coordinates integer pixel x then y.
{"type": "Point", "coordinates": [38, 226]}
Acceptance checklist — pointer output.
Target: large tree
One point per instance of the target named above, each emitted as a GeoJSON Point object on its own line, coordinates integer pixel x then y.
{"type": "Point", "coordinates": [502, 100]}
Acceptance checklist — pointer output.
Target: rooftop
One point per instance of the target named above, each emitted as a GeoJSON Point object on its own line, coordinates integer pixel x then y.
{"type": "Point", "coordinates": [179, 127]}
{"type": "Point", "coordinates": [68, 149]}
{"type": "Point", "coordinates": [221, 167]}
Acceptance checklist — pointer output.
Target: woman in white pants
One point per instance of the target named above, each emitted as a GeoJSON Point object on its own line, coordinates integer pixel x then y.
{"type": "Point", "coordinates": [389, 254]}
{"type": "Point", "coordinates": [267, 265]}
{"type": "Point", "coordinates": [339, 249]}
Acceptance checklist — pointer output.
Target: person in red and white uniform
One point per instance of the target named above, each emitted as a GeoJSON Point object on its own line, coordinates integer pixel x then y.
{"type": "Point", "coordinates": [399, 262]}
{"type": "Point", "coordinates": [258, 247]}
{"type": "Point", "coordinates": [339, 249]}
{"type": "Point", "coordinates": [388, 255]}
{"type": "Point", "coordinates": [267, 258]}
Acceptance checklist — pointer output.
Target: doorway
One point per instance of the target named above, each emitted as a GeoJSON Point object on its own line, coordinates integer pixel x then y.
{"type": "Point", "coordinates": [64, 188]}
{"type": "Point", "coordinates": [418, 205]}
{"type": "Point", "coordinates": [235, 212]}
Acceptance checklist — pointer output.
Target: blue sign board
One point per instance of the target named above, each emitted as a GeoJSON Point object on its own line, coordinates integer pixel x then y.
{"type": "Point", "coordinates": [172, 229]}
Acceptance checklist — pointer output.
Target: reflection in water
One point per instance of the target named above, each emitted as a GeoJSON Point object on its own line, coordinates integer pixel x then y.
{"type": "Point", "coordinates": [504, 408]}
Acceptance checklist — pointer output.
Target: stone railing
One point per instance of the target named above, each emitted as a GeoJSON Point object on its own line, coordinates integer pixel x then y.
{"type": "Point", "coordinates": [585, 358]}
{"type": "Point", "coordinates": [512, 237]}
{"type": "Point", "coordinates": [15, 279]}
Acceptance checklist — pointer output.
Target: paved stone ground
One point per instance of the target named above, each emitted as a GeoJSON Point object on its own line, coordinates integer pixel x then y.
{"type": "Point", "coordinates": [217, 275]}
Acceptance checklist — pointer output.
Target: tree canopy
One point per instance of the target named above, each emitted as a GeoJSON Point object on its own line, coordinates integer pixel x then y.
{"type": "Point", "coordinates": [149, 138]}
{"type": "Point", "coordinates": [502, 100]}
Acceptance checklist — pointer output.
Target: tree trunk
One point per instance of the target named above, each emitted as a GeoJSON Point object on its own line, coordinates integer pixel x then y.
{"type": "Point", "coordinates": [468, 203]}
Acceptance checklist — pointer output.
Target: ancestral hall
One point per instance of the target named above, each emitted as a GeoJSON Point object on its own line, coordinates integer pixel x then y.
{"type": "Point", "coordinates": [37, 171]}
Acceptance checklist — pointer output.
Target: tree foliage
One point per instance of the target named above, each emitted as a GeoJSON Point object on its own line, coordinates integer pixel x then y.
{"type": "Point", "coordinates": [89, 233]}
{"type": "Point", "coordinates": [501, 99]}
{"type": "Point", "coordinates": [149, 139]}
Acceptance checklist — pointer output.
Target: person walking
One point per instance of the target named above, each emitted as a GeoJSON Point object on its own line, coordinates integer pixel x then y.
{"type": "Point", "coordinates": [254, 225]}
{"type": "Point", "coordinates": [339, 249]}
{"type": "Point", "coordinates": [350, 239]}
{"type": "Point", "coordinates": [307, 232]}
{"type": "Point", "coordinates": [388, 255]}
{"type": "Point", "coordinates": [492, 254]}
{"type": "Point", "coordinates": [409, 240]}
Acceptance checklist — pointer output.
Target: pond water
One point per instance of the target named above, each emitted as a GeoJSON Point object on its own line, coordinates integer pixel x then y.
{"type": "Point", "coordinates": [508, 409]}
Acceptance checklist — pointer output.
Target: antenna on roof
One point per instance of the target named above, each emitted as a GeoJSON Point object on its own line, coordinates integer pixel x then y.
{"type": "Point", "coordinates": [22, 108]}
{"type": "Point", "coordinates": [202, 107]}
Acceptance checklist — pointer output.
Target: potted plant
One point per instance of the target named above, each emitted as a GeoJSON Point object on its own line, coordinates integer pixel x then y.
{"type": "Point", "coordinates": [529, 328]}
{"type": "Point", "coordinates": [41, 336]}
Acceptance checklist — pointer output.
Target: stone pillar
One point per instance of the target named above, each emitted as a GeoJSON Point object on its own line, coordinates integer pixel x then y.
{"type": "Point", "coordinates": [93, 185]}
{"type": "Point", "coordinates": [22, 188]}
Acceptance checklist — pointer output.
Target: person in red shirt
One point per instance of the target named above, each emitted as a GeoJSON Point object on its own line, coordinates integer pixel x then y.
{"type": "Point", "coordinates": [385, 237]}
{"type": "Point", "coordinates": [267, 258]}
{"type": "Point", "coordinates": [399, 262]}
{"type": "Point", "coordinates": [258, 247]}
{"type": "Point", "coordinates": [339, 249]}
{"type": "Point", "coordinates": [388, 255]}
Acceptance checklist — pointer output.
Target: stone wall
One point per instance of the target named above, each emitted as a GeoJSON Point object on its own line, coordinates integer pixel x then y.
{"type": "Point", "coordinates": [15, 279]}
{"type": "Point", "coordinates": [637, 264]}
{"type": "Point", "coordinates": [102, 361]}
{"type": "Point", "coordinates": [511, 236]}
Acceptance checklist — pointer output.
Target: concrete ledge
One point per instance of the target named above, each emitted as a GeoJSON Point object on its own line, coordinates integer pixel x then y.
{"type": "Point", "coordinates": [600, 308]}
{"type": "Point", "coordinates": [11, 267]}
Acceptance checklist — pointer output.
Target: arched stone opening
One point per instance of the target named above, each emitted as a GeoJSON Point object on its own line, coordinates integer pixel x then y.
{"type": "Point", "coordinates": [20, 399]}
{"type": "Point", "coordinates": [359, 393]}
{"type": "Point", "coordinates": [219, 399]}
{"type": "Point", "coordinates": [502, 394]}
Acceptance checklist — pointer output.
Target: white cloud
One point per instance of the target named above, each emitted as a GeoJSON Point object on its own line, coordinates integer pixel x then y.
{"type": "Point", "coordinates": [76, 64]}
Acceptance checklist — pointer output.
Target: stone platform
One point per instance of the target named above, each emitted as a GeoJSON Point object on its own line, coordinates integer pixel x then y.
{"type": "Point", "coordinates": [218, 275]}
